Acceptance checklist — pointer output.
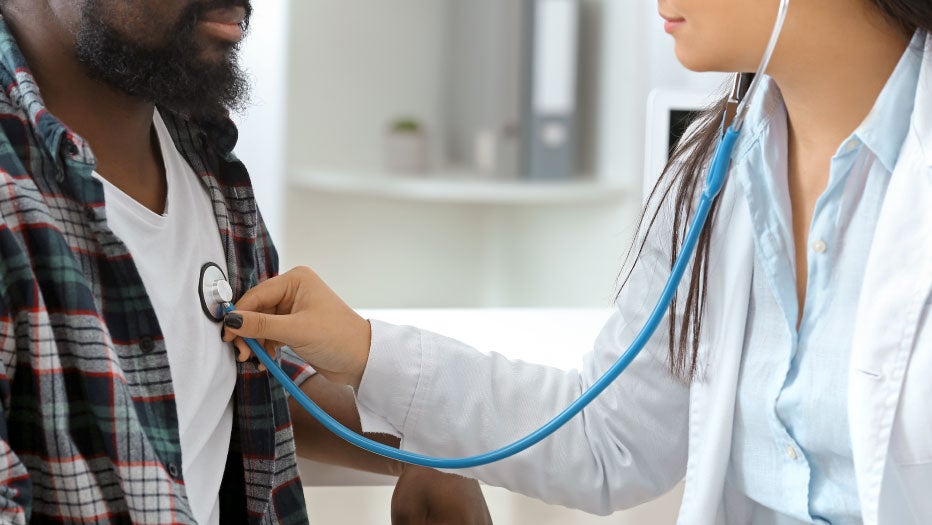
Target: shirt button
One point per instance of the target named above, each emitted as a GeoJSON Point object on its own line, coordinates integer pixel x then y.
{"type": "Point", "coordinates": [172, 470]}
{"type": "Point", "coordinates": [852, 145]}
{"type": "Point", "coordinates": [71, 148]}
{"type": "Point", "coordinates": [791, 452]}
{"type": "Point", "coordinates": [819, 246]}
{"type": "Point", "coordinates": [89, 213]}
{"type": "Point", "coordinates": [146, 344]}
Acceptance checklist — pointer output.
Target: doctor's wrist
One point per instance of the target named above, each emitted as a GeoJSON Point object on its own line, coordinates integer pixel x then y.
{"type": "Point", "coordinates": [359, 352]}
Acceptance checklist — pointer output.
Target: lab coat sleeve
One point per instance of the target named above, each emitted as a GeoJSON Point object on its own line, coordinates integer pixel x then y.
{"type": "Point", "coordinates": [446, 399]}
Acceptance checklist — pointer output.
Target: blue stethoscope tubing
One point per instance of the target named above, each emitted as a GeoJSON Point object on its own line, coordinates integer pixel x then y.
{"type": "Point", "coordinates": [715, 180]}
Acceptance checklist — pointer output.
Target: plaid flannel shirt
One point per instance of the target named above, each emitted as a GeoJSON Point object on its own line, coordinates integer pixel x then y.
{"type": "Point", "coordinates": [89, 429]}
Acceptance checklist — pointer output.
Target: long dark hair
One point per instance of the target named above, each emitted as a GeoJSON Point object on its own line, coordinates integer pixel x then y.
{"type": "Point", "coordinates": [681, 181]}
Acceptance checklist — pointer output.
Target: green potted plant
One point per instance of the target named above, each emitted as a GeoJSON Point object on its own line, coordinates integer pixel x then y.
{"type": "Point", "coordinates": [407, 148]}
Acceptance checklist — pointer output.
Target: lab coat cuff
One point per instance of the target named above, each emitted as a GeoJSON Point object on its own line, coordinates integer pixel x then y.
{"type": "Point", "coordinates": [391, 379]}
{"type": "Point", "coordinates": [373, 423]}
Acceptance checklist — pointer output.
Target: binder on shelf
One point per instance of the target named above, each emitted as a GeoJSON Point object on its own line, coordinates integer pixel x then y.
{"type": "Point", "coordinates": [549, 130]}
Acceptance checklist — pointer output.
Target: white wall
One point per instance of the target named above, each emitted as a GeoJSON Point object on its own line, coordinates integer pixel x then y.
{"type": "Point", "coordinates": [355, 65]}
{"type": "Point", "coordinates": [261, 144]}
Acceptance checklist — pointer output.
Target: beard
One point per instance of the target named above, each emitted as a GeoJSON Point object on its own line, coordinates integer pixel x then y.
{"type": "Point", "coordinates": [172, 76]}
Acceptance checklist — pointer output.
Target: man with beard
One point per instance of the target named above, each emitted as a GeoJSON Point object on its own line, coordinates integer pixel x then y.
{"type": "Point", "coordinates": [120, 403]}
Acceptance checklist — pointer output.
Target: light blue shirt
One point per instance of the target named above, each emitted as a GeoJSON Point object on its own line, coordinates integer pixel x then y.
{"type": "Point", "coordinates": [791, 453]}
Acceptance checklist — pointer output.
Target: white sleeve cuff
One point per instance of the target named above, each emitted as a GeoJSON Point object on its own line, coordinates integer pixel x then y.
{"type": "Point", "coordinates": [373, 423]}
{"type": "Point", "coordinates": [390, 382]}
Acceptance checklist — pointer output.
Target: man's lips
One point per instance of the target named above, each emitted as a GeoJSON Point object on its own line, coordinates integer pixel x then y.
{"type": "Point", "coordinates": [225, 15]}
{"type": "Point", "coordinates": [225, 24]}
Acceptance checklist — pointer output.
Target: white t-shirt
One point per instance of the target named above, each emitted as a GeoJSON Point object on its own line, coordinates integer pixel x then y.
{"type": "Point", "coordinates": [169, 251]}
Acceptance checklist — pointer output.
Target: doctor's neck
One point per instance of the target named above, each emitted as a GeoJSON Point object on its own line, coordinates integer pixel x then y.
{"type": "Point", "coordinates": [831, 72]}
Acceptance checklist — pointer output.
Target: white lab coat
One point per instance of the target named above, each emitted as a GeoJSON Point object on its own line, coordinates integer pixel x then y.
{"type": "Point", "coordinates": [648, 431]}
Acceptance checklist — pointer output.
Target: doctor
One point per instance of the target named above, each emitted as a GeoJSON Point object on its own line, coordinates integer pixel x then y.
{"type": "Point", "coordinates": [791, 381]}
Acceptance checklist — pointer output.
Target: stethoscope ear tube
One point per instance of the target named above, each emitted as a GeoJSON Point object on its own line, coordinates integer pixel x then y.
{"type": "Point", "coordinates": [741, 111]}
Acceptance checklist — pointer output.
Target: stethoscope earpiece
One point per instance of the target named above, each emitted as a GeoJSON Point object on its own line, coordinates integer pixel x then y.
{"type": "Point", "coordinates": [214, 291]}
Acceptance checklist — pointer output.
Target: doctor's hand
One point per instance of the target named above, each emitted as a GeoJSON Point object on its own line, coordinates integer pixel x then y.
{"type": "Point", "coordinates": [299, 310]}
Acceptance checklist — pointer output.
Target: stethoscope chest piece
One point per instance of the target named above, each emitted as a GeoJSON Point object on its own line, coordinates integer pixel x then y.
{"type": "Point", "coordinates": [214, 290]}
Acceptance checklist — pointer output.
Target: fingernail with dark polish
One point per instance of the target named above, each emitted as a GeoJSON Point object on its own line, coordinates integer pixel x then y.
{"type": "Point", "coordinates": [233, 320]}
{"type": "Point", "coordinates": [223, 332]}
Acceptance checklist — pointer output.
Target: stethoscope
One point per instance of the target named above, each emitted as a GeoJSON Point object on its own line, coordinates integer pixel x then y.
{"type": "Point", "coordinates": [216, 295]}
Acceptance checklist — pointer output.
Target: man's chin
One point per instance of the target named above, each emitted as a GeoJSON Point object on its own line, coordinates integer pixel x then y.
{"type": "Point", "coordinates": [192, 72]}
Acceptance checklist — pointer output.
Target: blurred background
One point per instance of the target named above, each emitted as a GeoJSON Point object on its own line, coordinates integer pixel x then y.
{"type": "Point", "coordinates": [468, 154]}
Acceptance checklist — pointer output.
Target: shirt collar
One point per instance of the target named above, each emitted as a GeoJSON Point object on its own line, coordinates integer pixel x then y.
{"type": "Point", "coordinates": [25, 101]}
{"type": "Point", "coordinates": [883, 131]}
{"type": "Point", "coordinates": [886, 126]}
{"type": "Point", "coordinates": [766, 106]}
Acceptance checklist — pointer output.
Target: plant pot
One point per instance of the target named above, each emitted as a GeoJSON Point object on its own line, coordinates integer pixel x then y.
{"type": "Point", "coordinates": [407, 151]}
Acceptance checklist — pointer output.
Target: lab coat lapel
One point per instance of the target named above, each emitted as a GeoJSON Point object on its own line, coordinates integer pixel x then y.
{"type": "Point", "coordinates": [712, 397]}
{"type": "Point", "coordinates": [897, 282]}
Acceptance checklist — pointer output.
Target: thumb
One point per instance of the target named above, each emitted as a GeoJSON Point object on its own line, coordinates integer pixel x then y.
{"type": "Point", "coordinates": [255, 325]}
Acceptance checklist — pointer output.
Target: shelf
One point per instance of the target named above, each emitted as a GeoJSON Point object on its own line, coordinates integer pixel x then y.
{"type": "Point", "coordinates": [453, 186]}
